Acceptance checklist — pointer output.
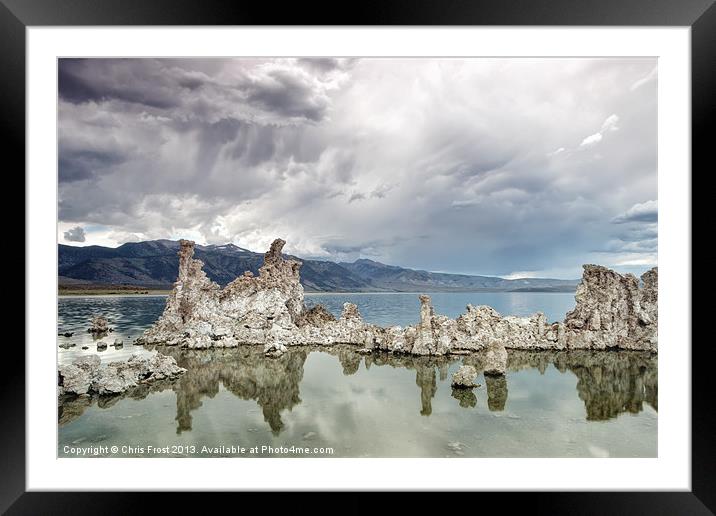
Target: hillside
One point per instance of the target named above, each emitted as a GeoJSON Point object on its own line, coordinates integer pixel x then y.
{"type": "Point", "coordinates": [154, 264]}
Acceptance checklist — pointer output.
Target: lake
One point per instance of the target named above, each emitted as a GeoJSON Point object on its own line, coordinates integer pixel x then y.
{"type": "Point", "coordinates": [334, 402]}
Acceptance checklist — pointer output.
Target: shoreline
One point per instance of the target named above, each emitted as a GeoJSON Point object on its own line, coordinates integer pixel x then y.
{"type": "Point", "coordinates": [156, 293]}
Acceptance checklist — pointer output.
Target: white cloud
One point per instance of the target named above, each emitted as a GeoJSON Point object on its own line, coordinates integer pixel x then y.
{"type": "Point", "coordinates": [610, 124]}
{"type": "Point", "coordinates": [592, 139]}
{"type": "Point", "coordinates": [642, 261]}
{"type": "Point", "coordinates": [651, 76]}
{"type": "Point", "coordinates": [521, 274]}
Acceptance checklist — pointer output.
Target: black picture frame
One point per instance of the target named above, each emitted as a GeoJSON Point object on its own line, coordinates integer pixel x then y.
{"type": "Point", "coordinates": [17, 15]}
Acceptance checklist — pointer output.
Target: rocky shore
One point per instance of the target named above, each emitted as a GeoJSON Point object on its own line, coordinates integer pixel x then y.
{"type": "Point", "coordinates": [612, 311]}
{"type": "Point", "coordinates": [86, 375]}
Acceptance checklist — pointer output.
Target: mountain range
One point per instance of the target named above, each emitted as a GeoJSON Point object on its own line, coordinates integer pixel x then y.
{"type": "Point", "coordinates": [154, 264]}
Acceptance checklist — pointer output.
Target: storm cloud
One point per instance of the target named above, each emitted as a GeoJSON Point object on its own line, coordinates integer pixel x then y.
{"type": "Point", "coordinates": [483, 166]}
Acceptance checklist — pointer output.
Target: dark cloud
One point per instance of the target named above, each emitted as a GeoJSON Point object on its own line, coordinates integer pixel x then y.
{"type": "Point", "coordinates": [75, 234]}
{"type": "Point", "coordinates": [140, 81]}
{"type": "Point", "coordinates": [78, 164]}
{"type": "Point", "coordinates": [326, 64]}
{"type": "Point", "coordinates": [343, 249]}
{"type": "Point", "coordinates": [286, 90]}
{"type": "Point", "coordinates": [288, 94]}
{"type": "Point", "coordinates": [380, 191]}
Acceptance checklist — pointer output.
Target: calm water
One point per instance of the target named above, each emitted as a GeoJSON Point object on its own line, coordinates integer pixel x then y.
{"type": "Point", "coordinates": [338, 403]}
{"type": "Point", "coordinates": [404, 309]}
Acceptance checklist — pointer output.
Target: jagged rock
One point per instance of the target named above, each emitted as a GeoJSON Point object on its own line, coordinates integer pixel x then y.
{"type": "Point", "coordinates": [198, 313]}
{"type": "Point", "coordinates": [117, 377]}
{"type": "Point", "coordinates": [612, 311]}
{"type": "Point", "coordinates": [350, 312]}
{"type": "Point", "coordinates": [274, 349]}
{"type": "Point", "coordinates": [464, 377]}
{"type": "Point", "coordinates": [77, 377]}
{"type": "Point", "coordinates": [482, 324]}
{"type": "Point", "coordinates": [100, 325]}
{"type": "Point", "coordinates": [424, 340]}
{"type": "Point", "coordinates": [495, 358]}
{"type": "Point", "coordinates": [101, 346]}
{"type": "Point", "coordinates": [118, 343]}
{"type": "Point", "coordinates": [86, 376]}
{"type": "Point", "coordinates": [67, 345]}
{"type": "Point", "coordinates": [434, 334]}
{"type": "Point", "coordinates": [316, 316]}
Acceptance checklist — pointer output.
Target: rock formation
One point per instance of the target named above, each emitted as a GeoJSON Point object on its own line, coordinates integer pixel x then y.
{"type": "Point", "coordinates": [496, 358]}
{"type": "Point", "coordinates": [86, 376]}
{"type": "Point", "coordinates": [100, 326]}
{"type": "Point", "coordinates": [464, 377]}
{"type": "Point", "coordinates": [612, 311]}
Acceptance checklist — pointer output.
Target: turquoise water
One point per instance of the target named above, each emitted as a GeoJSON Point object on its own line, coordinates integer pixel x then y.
{"type": "Point", "coordinates": [335, 402]}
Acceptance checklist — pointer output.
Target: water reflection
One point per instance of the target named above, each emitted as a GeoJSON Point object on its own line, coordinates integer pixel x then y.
{"type": "Point", "coordinates": [465, 397]}
{"type": "Point", "coordinates": [426, 370]}
{"type": "Point", "coordinates": [244, 372]}
{"type": "Point", "coordinates": [128, 316]}
{"type": "Point", "coordinates": [608, 383]}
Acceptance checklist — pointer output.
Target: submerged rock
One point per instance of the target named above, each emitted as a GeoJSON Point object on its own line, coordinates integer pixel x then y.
{"type": "Point", "coordinates": [464, 377]}
{"type": "Point", "coordinates": [100, 325]}
{"type": "Point", "coordinates": [77, 377]}
{"type": "Point", "coordinates": [612, 311]}
{"type": "Point", "coordinates": [86, 376]}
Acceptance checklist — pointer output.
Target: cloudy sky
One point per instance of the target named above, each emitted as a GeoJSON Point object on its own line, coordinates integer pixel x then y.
{"type": "Point", "coordinates": [509, 167]}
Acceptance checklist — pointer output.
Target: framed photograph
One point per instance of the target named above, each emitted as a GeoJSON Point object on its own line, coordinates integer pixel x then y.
{"type": "Point", "coordinates": [416, 249]}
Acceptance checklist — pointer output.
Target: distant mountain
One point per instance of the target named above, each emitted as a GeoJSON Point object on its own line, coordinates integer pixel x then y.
{"type": "Point", "coordinates": [390, 277]}
{"type": "Point", "coordinates": [154, 264]}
